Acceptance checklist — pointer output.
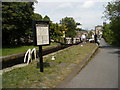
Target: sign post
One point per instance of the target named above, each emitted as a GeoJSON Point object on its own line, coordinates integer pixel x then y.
{"type": "Point", "coordinates": [41, 38]}
{"type": "Point", "coordinates": [41, 59]}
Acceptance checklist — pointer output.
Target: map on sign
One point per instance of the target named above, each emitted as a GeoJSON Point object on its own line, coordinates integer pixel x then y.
{"type": "Point", "coordinates": [42, 34]}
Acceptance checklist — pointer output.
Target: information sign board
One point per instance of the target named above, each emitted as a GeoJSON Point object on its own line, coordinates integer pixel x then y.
{"type": "Point", "coordinates": [41, 33]}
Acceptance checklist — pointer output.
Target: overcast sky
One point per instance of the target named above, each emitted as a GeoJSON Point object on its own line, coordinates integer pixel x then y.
{"type": "Point", "coordinates": [86, 12]}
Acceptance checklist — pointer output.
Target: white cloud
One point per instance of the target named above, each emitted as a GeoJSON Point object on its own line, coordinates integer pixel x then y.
{"type": "Point", "coordinates": [65, 5]}
{"type": "Point", "coordinates": [88, 19]}
{"type": "Point", "coordinates": [88, 4]}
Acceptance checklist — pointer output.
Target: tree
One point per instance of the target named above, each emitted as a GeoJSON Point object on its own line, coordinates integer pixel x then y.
{"type": "Point", "coordinates": [53, 34]}
{"type": "Point", "coordinates": [108, 33]}
{"type": "Point", "coordinates": [16, 20]}
{"type": "Point", "coordinates": [46, 18]}
{"type": "Point", "coordinates": [78, 23]}
{"type": "Point", "coordinates": [78, 29]}
{"type": "Point", "coordinates": [57, 31]}
{"type": "Point", "coordinates": [71, 25]}
{"type": "Point", "coordinates": [37, 17]}
{"type": "Point", "coordinates": [111, 31]}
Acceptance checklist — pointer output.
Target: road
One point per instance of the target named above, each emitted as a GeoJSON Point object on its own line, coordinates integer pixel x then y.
{"type": "Point", "coordinates": [101, 72]}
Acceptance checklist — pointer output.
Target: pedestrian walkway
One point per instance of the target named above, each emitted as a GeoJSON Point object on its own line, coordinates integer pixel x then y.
{"type": "Point", "coordinates": [101, 72]}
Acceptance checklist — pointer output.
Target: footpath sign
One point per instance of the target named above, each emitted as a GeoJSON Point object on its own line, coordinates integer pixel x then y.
{"type": "Point", "coordinates": [41, 37]}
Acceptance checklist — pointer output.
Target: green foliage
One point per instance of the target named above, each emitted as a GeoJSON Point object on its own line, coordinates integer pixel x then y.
{"type": "Point", "coordinates": [71, 25]}
{"type": "Point", "coordinates": [16, 20]}
{"type": "Point", "coordinates": [56, 31]}
{"type": "Point", "coordinates": [108, 33]}
{"type": "Point", "coordinates": [46, 18]}
{"type": "Point", "coordinates": [52, 30]}
{"type": "Point", "coordinates": [37, 17]}
{"type": "Point", "coordinates": [78, 29]}
{"type": "Point", "coordinates": [111, 30]}
{"type": "Point", "coordinates": [78, 23]}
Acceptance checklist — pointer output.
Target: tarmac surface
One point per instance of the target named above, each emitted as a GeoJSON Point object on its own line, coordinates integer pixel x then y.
{"type": "Point", "coordinates": [101, 72]}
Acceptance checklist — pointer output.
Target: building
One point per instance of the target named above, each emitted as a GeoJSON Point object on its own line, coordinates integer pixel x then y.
{"type": "Point", "coordinates": [80, 33]}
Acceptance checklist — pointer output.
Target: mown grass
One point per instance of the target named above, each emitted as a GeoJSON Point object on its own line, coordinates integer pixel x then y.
{"type": "Point", "coordinates": [9, 51]}
{"type": "Point", "coordinates": [54, 71]}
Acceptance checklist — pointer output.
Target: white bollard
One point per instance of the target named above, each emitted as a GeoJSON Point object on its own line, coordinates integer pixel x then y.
{"type": "Point", "coordinates": [29, 56]}
{"type": "Point", "coordinates": [29, 53]}
{"type": "Point", "coordinates": [81, 45]}
{"type": "Point", "coordinates": [34, 51]}
{"type": "Point", "coordinates": [53, 57]}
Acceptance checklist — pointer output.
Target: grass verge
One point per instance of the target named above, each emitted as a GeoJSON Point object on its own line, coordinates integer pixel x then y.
{"type": "Point", "coordinates": [54, 71]}
{"type": "Point", "coordinates": [9, 51]}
